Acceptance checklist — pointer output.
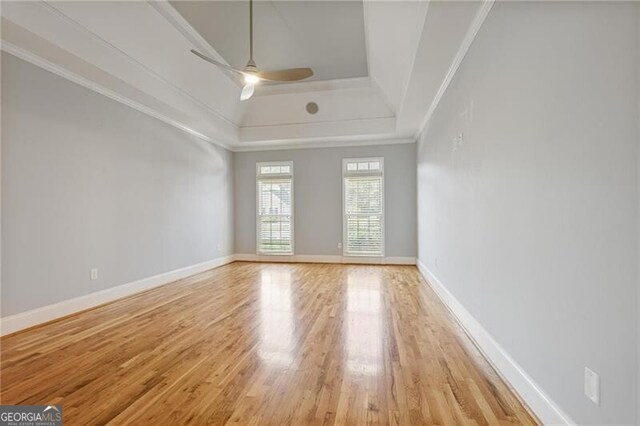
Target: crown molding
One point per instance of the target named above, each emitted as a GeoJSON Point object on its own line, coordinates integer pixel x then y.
{"type": "Point", "coordinates": [325, 130]}
{"type": "Point", "coordinates": [471, 34]}
{"type": "Point", "coordinates": [300, 143]}
{"type": "Point", "coordinates": [89, 84]}
{"type": "Point", "coordinates": [314, 123]}
{"type": "Point", "coordinates": [323, 143]}
{"type": "Point", "coordinates": [376, 130]}
{"type": "Point", "coordinates": [135, 62]}
{"type": "Point", "coordinates": [313, 86]}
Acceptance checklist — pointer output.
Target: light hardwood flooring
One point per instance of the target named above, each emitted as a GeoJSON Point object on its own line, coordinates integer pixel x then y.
{"type": "Point", "coordinates": [271, 344]}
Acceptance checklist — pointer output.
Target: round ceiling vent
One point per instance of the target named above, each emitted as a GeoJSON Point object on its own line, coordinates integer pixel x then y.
{"type": "Point", "coordinates": [312, 107]}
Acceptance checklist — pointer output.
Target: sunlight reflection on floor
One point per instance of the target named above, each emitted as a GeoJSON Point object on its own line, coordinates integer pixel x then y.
{"type": "Point", "coordinates": [364, 322]}
{"type": "Point", "coordinates": [276, 318]}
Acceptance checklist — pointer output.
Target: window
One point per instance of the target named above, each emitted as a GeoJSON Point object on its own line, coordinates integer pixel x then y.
{"type": "Point", "coordinates": [363, 203]}
{"type": "Point", "coordinates": [274, 228]}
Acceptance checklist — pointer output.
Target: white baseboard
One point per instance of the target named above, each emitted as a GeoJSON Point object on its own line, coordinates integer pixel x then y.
{"type": "Point", "coordinates": [537, 400]}
{"type": "Point", "coordinates": [47, 313]}
{"type": "Point", "coordinates": [307, 258]}
{"type": "Point", "coordinates": [41, 315]}
{"type": "Point", "coordinates": [400, 260]}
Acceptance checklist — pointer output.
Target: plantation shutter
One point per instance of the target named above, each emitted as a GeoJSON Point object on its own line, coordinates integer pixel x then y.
{"type": "Point", "coordinates": [364, 207]}
{"type": "Point", "coordinates": [275, 201]}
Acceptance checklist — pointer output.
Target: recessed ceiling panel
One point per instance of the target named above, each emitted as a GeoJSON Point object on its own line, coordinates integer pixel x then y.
{"type": "Point", "coordinates": [327, 36]}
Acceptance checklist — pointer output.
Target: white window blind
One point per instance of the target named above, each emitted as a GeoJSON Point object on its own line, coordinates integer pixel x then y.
{"type": "Point", "coordinates": [274, 185]}
{"type": "Point", "coordinates": [363, 207]}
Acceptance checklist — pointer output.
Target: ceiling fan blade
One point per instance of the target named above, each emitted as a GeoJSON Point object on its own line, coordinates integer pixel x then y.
{"type": "Point", "coordinates": [217, 63]}
{"type": "Point", "coordinates": [291, 74]}
{"type": "Point", "coordinates": [247, 91]}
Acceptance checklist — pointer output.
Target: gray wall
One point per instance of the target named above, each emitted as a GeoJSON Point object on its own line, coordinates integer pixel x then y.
{"type": "Point", "coordinates": [318, 197]}
{"type": "Point", "coordinates": [533, 222]}
{"type": "Point", "coordinates": [88, 182]}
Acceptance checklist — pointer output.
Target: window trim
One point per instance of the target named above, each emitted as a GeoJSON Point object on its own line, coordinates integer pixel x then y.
{"type": "Point", "coordinates": [260, 176]}
{"type": "Point", "coordinates": [346, 174]}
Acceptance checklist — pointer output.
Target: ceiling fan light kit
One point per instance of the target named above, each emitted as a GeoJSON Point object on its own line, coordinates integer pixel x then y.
{"type": "Point", "coordinates": [252, 75]}
{"type": "Point", "coordinates": [251, 79]}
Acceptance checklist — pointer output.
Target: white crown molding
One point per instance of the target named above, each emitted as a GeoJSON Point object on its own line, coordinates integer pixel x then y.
{"type": "Point", "coordinates": [509, 370]}
{"type": "Point", "coordinates": [44, 314]}
{"type": "Point", "coordinates": [316, 122]}
{"type": "Point", "coordinates": [299, 143]}
{"type": "Point", "coordinates": [347, 132]}
{"type": "Point", "coordinates": [313, 86]}
{"type": "Point", "coordinates": [462, 51]}
{"type": "Point", "coordinates": [89, 84]}
{"type": "Point", "coordinates": [339, 142]}
{"type": "Point", "coordinates": [359, 132]}
{"type": "Point", "coordinates": [359, 127]}
{"type": "Point", "coordinates": [137, 63]}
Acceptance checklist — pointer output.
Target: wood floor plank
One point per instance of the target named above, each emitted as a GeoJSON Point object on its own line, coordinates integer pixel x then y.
{"type": "Point", "coordinates": [263, 344]}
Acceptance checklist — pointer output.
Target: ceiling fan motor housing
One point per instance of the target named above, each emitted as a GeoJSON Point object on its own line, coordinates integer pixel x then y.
{"type": "Point", "coordinates": [251, 66]}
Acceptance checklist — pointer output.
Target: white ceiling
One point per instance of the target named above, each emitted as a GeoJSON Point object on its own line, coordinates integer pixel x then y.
{"type": "Point", "coordinates": [327, 36]}
{"type": "Point", "coordinates": [381, 66]}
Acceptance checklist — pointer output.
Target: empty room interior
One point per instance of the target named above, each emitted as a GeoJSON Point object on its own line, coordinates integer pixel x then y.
{"type": "Point", "coordinates": [320, 212]}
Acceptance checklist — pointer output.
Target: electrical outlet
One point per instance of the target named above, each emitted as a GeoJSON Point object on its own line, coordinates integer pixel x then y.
{"type": "Point", "coordinates": [339, 245]}
{"type": "Point", "coordinates": [436, 262]}
{"type": "Point", "coordinates": [592, 385]}
{"type": "Point", "coordinates": [94, 274]}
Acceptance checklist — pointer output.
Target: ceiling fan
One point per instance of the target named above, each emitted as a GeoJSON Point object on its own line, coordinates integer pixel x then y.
{"type": "Point", "coordinates": [252, 75]}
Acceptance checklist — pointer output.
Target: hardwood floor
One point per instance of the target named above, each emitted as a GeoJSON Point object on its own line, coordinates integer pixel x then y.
{"type": "Point", "coordinates": [255, 343]}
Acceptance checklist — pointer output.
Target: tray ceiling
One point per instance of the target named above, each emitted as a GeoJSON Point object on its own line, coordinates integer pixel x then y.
{"type": "Point", "coordinates": [381, 66]}
{"type": "Point", "coordinates": [327, 36]}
